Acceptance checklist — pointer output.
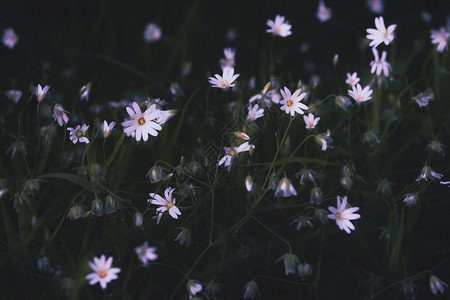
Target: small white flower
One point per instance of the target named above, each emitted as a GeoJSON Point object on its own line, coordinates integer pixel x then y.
{"type": "Point", "coordinates": [166, 204]}
{"type": "Point", "coordinates": [304, 270]}
{"type": "Point", "coordinates": [437, 286]}
{"type": "Point", "coordinates": [84, 92]}
{"type": "Point", "coordinates": [378, 64]}
{"type": "Point", "coordinates": [41, 92]}
{"type": "Point", "coordinates": [310, 121]}
{"type": "Point", "coordinates": [254, 112]}
{"type": "Point", "coordinates": [279, 27]}
{"type": "Point", "coordinates": [440, 38]}
{"type": "Point", "coordinates": [323, 139]}
{"type": "Point", "coordinates": [381, 34]}
{"type": "Point", "coordinates": [228, 61]}
{"type": "Point", "coordinates": [428, 173]}
{"type": "Point", "coordinates": [152, 33]}
{"type": "Point", "coordinates": [60, 115]}
{"type": "Point", "coordinates": [323, 12]}
{"type": "Point", "coordinates": [291, 102]}
{"type": "Point", "coordinates": [249, 183]}
{"type": "Point", "coordinates": [138, 219]}
{"type": "Point", "coordinates": [290, 263]}
{"type": "Point", "coordinates": [146, 253]}
{"type": "Point", "coordinates": [343, 102]}
{"type": "Point", "coordinates": [193, 287]}
{"type": "Point", "coordinates": [232, 152]}
{"type": "Point", "coordinates": [224, 81]}
{"type": "Point", "coordinates": [142, 123]}
{"type": "Point", "coordinates": [14, 95]}
{"type": "Point", "coordinates": [285, 188]}
{"type": "Point", "coordinates": [359, 94]}
{"type": "Point", "coordinates": [343, 215]}
{"type": "Point", "coordinates": [352, 79]}
{"type": "Point", "coordinates": [107, 128]}
{"type": "Point", "coordinates": [9, 38]}
{"type": "Point", "coordinates": [410, 199]}
{"type": "Point", "coordinates": [422, 99]}
{"type": "Point", "coordinates": [250, 290]}
{"type": "Point", "coordinates": [79, 134]}
{"type": "Point", "coordinates": [103, 273]}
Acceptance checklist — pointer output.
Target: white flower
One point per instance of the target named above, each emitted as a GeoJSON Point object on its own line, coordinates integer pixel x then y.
{"type": "Point", "coordinates": [84, 91]}
{"type": "Point", "coordinates": [14, 95]}
{"type": "Point", "coordinates": [146, 253]}
{"type": "Point", "coordinates": [343, 102]}
{"type": "Point", "coordinates": [410, 199]}
{"type": "Point", "coordinates": [279, 27]}
{"type": "Point", "coordinates": [41, 92]}
{"type": "Point", "coordinates": [165, 204]}
{"type": "Point", "coordinates": [352, 79]}
{"type": "Point", "coordinates": [440, 38]}
{"type": "Point", "coordinates": [60, 115]}
{"type": "Point", "coordinates": [103, 273]}
{"type": "Point", "coordinates": [291, 102]}
{"type": "Point", "coordinates": [378, 64]}
{"type": "Point", "coordinates": [359, 94]}
{"type": "Point", "coordinates": [9, 38]}
{"type": "Point", "coordinates": [254, 112]}
{"type": "Point", "coordinates": [249, 183]}
{"type": "Point", "coordinates": [142, 124]}
{"type": "Point", "coordinates": [285, 188]}
{"type": "Point", "coordinates": [266, 98]}
{"type": "Point", "coordinates": [290, 263]}
{"type": "Point", "coordinates": [343, 215]}
{"type": "Point", "coordinates": [323, 12]}
{"type": "Point", "coordinates": [193, 287]}
{"type": "Point", "coordinates": [304, 270]}
{"type": "Point", "coordinates": [437, 285]}
{"type": "Point", "coordinates": [323, 139]}
{"type": "Point", "coordinates": [250, 290]}
{"type": "Point", "coordinates": [224, 81]}
{"type": "Point", "coordinates": [381, 34]}
{"type": "Point", "coordinates": [422, 99]}
{"type": "Point", "coordinates": [107, 128]}
{"type": "Point", "coordinates": [138, 219]}
{"type": "Point", "coordinates": [79, 134]}
{"type": "Point", "coordinates": [310, 121]}
{"type": "Point", "coordinates": [232, 152]}
{"type": "Point", "coordinates": [152, 33]}
{"type": "Point", "coordinates": [229, 58]}
{"type": "Point", "coordinates": [428, 173]}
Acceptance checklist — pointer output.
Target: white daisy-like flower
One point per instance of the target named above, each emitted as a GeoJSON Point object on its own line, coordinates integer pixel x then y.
{"type": "Point", "coordinates": [60, 115]}
{"type": "Point", "coordinates": [41, 92]}
{"type": "Point", "coordinates": [437, 286]}
{"type": "Point", "coordinates": [107, 128]}
{"type": "Point", "coordinates": [323, 12]}
{"type": "Point", "coordinates": [379, 64]}
{"type": "Point", "coordinates": [428, 173]}
{"type": "Point", "coordinates": [224, 81]}
{"type": "Point", "coordinates": [254, 112]}
{"type": "Point", "coordinates": [146, 253]}
{"type": "Point", "coordinates": [285, 188]}
{"type": "Point", "coordinates": [291, 102]}
{"type": "Point", "coordinates": [152, 33]}
{"type": "Point", "coordinates": [352, 79]}
{"type": "Point", "coordinates": [103, 273]}
{"type": "Point", "coordinates": [359, 94]}
{"type": "Point", "coordinates": [232, 152]}
{"type": "Point", "coordinates": [380, 34]}
{"type": "Point", "coordinates": [9, 38]}
{"type": "Point", "coordinates": [79, 134]}
{"type": "Point", "coordinates": [228, 61]}
{"type": "Point", "coordinates": [343, 215]}
{"type": "Point", "coordinates": [142, 123]}
{"type": "Point", "coordinates": [440, 38]}
{"type": "Point", "coordinates": [279, 27]}
{"type": "Point", "coordinates": [311, 121]}
{"type": "Point", "coordinates": [166, 204]}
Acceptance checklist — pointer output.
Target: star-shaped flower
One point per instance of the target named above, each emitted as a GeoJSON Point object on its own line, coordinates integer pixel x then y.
{"type": "Point", "coordinates": [381, 34]}
{"type": "Point", "coordinates": [343, 215]}
{"type": "Point", "coordinates": [224, 81]}
{"type": "Point", "coordinates": [103, 273]}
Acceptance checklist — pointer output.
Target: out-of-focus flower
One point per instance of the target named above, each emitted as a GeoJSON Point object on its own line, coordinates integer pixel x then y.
{"type": "Point", "coordinates": [376, 6]}
{"type": "Point", "coordinates": [254, 112]}
{"type": "Point", "coordinates": [279, 27]}
{"type": "Point", "coordinates": [422, 99]}
{"type": "Point", "coordinates": [41, 92]}
{"type": "Point", "coordinates": [249, 183]}
{"type": "Point", "coordinates": [310, 121]}
{"type": "Point", "coordinates": [385, 187]}
{"type": "Point", "coordinates": [146, 253]}
{"type": "Point", "coordinates": [370, 137]}
{"type": "Point", "coordinates": [304, 270]}
{"type": "Point", "coordinates": [156, 174]}
{"type": "Point", "coordinates": [380, 34]}
{"type": "Point", "coordinates": [60, 115]}
{"type": "Point", "coordinates": [111, 205]}
{"type": "Point", "coordinates": [224, 81]}
{"type": "Point", "coordinates": [152, 33]}
{"type": "Point", "coordinates": [165, 204]}
{"type": "Point", "coordinates": [138, 219]}
{"type": "Point", "coordinates": [411, 199]}
{"type": "Point", "coordinates": [323, 12]}
{"type": "Point", "coordinates": [437, 286]}
{"type": "Point", "coordinates": [335, 60]}
{"type": "Point", "coordinates": [302, 221]}
{"type": "Point", "coordinates": [18, 146]}
{"type": "Point", "coordinates": [14, 95]}
{"type": "Point", "coordinates": [266, 98]}
{"type": "Point", "coordinates": [84, 91]}
{"type": "Point", "coordinates": [352, 79]}
{"type": "Point", "coordinates": [76, 212]}
{"type": "Point", "coordinates": [103, 273]}
{"type": "Point", "coordinates": [306, 175]}
{"type": "Point", "coordinates": [290, 263]}
{"type": "Point", "coordinates": [228, 61]}
{"type": "Point", "coordinates": [379, 64]}
{"type": "Point", "coordinates": [142, 123]}
{"type": "Point", "coordinates": [436, 146]}
{"type": "Point", "coordinates": [184, 237]}
{"type": "Point", "coordinates": [232, 152]}
{"type": "Point", "coordinates": [408, 289]}
{"type": "Point", "coordinates": [107, 128]}
{"type": "Point", "coordinates": [359, 94]}
{"type": "Point", "coordinates": [343, 215]}
{"type": "Point", "coordinates": [96, 207]}
{"type": "Point", "coordinates": [9, 38]}
{"type": "Point", "coordinates": [440, 38]}
{"type": "Point", "coordinates": [428, 173]}
{"type": "Point", "coordinates": [250, 290]}
{"type": "Point", "coordinates": [291, 102]}
{"type": "Point", "coordinates": [79, 134]}
{"type": "Point", "coordinates": [193, 287]}
{"type": "Point", "coordinates": [315, 196]}
{"type": "Point", "coordinates": [31, 186]}
{"type": "Point", "coordinates": [285, 188]}
{"type": "Point", "coordinates": [346, 182]}
{"type": "Point", "coordinates": [324, 139]}
{"type": "Point", "coordinates": [343, 102]}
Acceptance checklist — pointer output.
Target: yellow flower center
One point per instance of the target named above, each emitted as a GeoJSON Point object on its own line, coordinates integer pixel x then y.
{"type": "Point", "coordinates": [141, 121]}
{"type": "Point", "coordinates": [232, 152]}
{"type": "Point", "coordinates": [143, 252]}
{"type": "Point", "coordinates": [59, 112]}
{"type": "Point", "coordinates": [224, 83]}
{"type": "Point", "coordinates": [102, 273]}
{"type": "Point", "coordinates": [79, 133]}
{"type": "Point", "coordinates": [386, 35]}
{"type": "Point", "coordinates": [289, 103]}
{"type": "Point", "coordinates": [169, 205]}
{"type": "Point", "coordinates": [311, 124]}
{"type": "Point", "coordinates": [338, 216]}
